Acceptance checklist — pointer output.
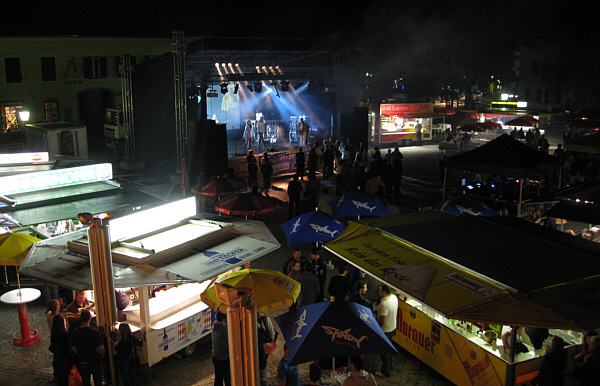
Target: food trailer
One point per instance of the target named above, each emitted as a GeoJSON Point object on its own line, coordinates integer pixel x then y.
{"type": "Point", "coordinates": [462, 276]}
{"type": "Point", "coordinates": [398, 122]}
{"type": "Point", "coordinates": [164, 257]}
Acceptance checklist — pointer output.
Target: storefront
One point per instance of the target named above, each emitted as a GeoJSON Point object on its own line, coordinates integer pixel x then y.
{"type": "Point", "coordinates": [164, 258]}
{"type": "Point", "coordinates": [459, 276]}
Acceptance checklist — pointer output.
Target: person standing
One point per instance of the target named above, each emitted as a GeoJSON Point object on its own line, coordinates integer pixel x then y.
{"type": "Point", "coordinates": [418, 128]}
{"type": "Point", "coordinates": [266, 168]}
{"type": "Point", "coordinates": [124, 349]}
{"type": "Point", "coordinates": [554, 364]}
{"type": "Point", "coordinates": [88, 347]}
{"type": "Point", "coordinates": [267, 337]}
{"type": "Point", "coordinates": [79, 304]}
{"type": "Point", "coordinates": [340, 286]}
{"type": "Point", "coordinates": [320, 271]}
{"type": "Point", "coordinates": [248, 134]}
{"type": "Point", "coordinates": [296, 258]}
{"type": "Point", "coordinates": [386, 317]}
{"type": "Point", "coordinates": [313, 162]}
{"type": "Point", "coordinates": [61, 348]}
{"type": "Point", "coordinates": [260, 129]}
{"type": "Point", "coordinates": [220, 350]}
{"type": "Point", "coordinates": [358, 296]}
{"type": "Point", "coordinates": [309, 285]}
{"type": "Point", "coordinates": [328, 161]}
{"type": "Point", "coordinates": [287, 375]}
{"type": "Point", "coordinates": [53, 310]}
{"type": "Point", "coordinates": [252, 170]}
{"type": "Point", "coordinates": [302, 132]}
{"type": "Point", "coordinates": [294, 190]}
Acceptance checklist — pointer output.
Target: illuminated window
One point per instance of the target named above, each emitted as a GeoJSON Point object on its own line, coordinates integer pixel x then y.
{"type": "Point", "coordinates": [51, 111]}
{"type": "Point", "coordinates": [10, 116]}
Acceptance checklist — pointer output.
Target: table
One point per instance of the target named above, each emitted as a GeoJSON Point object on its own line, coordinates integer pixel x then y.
{"type": "Point", "coordinates": [20, 297]}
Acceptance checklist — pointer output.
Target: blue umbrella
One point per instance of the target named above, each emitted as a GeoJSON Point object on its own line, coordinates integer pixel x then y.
{"type": "Point", "coordinates": [357, 203]}
{"type": "Point", "coordinates": [330, 329]}
{"type": "Point", "coordinates": [312, 227]}
{"type": "Point", "coordinates": [464, 204]}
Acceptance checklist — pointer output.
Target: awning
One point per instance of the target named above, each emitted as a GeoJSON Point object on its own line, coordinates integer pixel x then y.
{"type": "Point", "coordinates": [477, 269]}
{"type": "Point", "coordinates": [66, 210]}
{"type": "Point", "coordinates": [50, 260]}
{"type": "Point", "coordinates": [576, 211]}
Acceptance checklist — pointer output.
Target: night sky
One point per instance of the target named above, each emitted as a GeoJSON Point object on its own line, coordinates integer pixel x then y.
{"type": "Point", "coordinates": [422, 39]}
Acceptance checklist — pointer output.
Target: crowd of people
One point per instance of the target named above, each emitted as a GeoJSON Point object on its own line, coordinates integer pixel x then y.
{"type": "Point", "coordinates": [79, 346]}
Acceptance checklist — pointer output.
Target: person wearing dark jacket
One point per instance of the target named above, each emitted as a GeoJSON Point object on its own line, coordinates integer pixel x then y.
{"type": "Point", "coordinates": [60, 346]}
{"type": "Point", "coordinates": [553, 367]}
{"type": "Point", "coordinates": [340, 285]}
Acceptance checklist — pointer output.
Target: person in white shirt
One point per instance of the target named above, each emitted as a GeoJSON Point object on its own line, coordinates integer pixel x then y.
{"type": "Point", "coordinates": [260, 129]}
{"type": "Point", "coordinates": [387, 312]}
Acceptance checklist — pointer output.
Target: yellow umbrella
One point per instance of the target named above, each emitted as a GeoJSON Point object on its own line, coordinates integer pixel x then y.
{"type": "Point", "coordinates": [14, 247]}
{"type": "Point", "coordinates": [270, 290]}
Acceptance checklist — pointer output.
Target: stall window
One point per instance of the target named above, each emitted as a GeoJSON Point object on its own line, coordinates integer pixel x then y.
{"type": "Point", "coordinates": [13, 70]}
{"type": "Point", "coordinates": [48, 69]}
{"type": "Point", "coordinates": [132, 59]}
{"type": "Point", "coordinates": [94, 67]}
{"type": "Point", "coordinates": [10, 116]}
{"type": "Point", "coordinates": [51, 111]}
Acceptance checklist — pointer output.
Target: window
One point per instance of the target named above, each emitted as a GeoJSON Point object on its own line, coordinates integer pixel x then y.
{"type": "Point", "coordinates": [13, 70]}
{"type": "Point", "coordinates": [94, 67]}
{"type": "Point", "coordinates": [48, 69]}
{"type": "Point", "coordinates": [51, 111]}
{"type": "Point", "coordinates": [10, 116]}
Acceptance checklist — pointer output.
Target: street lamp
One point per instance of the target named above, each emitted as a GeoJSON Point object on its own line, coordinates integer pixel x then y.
{"type": "Point", "coordinates": [24, 115]}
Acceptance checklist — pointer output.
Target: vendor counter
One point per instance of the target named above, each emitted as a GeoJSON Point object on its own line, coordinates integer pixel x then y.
{"type": "Point", "coordinates": [459, 352]}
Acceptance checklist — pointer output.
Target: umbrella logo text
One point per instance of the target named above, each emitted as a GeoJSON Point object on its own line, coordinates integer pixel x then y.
{"type": "Point", "coordinates": [343, 335]}
{"type": "Point", "coordinates": [466, 210]}
{"type": "Point", "coordinates": [365, 317]}
{"type": "Point", "coordinates": [363, 205]}
{"type": "Point", "coordinates": [298, 325]}
{"type": "Point", "coordinates": [323, 230]}
{"type": "Point", "coordinates": [229, 257]}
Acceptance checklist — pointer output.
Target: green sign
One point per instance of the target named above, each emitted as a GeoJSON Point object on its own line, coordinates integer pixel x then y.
{"type": "Point", "coordinates": [30, 182]}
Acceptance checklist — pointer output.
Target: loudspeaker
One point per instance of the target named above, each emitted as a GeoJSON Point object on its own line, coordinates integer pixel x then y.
{"type": "Point", "coordinates": [209, 152]}
{"type": "Point", "coordinates": [355, 126]}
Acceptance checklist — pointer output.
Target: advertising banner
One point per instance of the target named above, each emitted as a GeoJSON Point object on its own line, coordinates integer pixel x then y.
{"type": "Point", "coordinates": [452, 355]}
{"type": "Point", "coordinates": [401, 110]}
{"type": "Point", "coordinates": [283, 162]}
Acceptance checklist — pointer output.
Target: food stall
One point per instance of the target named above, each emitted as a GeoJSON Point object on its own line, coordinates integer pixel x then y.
{"type": "Point", "coordinates": [46, 198]}
{"type": "Point", "coordinates": [458, 275]}
{"type": "Point", "coordinates": [397, 122]}
{"type": "Point", "coordinates": [164, 257]}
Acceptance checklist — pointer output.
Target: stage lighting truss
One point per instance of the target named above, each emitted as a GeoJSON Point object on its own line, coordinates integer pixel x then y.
{"type": "Point", "coordinates": [224, 88]}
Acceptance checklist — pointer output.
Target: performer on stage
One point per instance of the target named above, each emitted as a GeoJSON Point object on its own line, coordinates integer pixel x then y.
{"type": "Point", "coordinates": [302, 132]}
{"type": "Point", "coordinates": [260, 128]}
{"type": "Point", "coordinates": [248, 135]}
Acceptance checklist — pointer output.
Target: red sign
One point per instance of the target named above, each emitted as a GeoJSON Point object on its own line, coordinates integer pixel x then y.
{"type": "Point", "coordinates": [403, 109]}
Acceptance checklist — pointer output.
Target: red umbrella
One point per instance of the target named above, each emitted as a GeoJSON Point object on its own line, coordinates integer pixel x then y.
{"type": "Point", "coordinates": [525, 120]}
{"type": "Point", "coordinates": [444, 111]}
{"type": "Point", "coordinates": [249, 204]}
{"type": "Point", "coordinates": [474, 127]}
{"type": "Point", "coordinates": [219, 186]}
{"type": "Point", "coordinates": [489, 125]}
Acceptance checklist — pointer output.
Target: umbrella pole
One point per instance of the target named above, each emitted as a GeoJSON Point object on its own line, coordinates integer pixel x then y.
{"type": "Point", "coordinates": [18, 279]}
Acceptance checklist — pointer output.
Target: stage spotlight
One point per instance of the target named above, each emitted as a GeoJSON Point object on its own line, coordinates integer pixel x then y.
{"type": "Point", "coordinates": [224, 88]}
{"type": "Point", "coordinates": [285, 86]}
{"type": "Point", "coordinates": [249, 87]}
{"type": "Point", "coordinates": [236, 88]}
{"type": "Point", "coordinates": [258, 87]}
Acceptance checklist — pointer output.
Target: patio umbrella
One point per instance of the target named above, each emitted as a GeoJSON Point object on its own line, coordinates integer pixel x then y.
{"type": "Point", "coordinates": [357, 203]}
{"type": "Point", "coordinates": [248, 204]}
{"type": "Point", "coordinates": [525, 121]}
{"type": "Point", "coordinates": [464, 204]}
{"type": "Point", "coordinates": [219, 186]}
{"type": "Point", "coordinates": [472, 128]}
{"type": "Point", "coordinates": [330, 329]}
{"type": "Point", "coordinates": [13, 249]}
{"type": "Point", "coordinates": [312, 227]}
{"type": "Point", "coordinates": [270, 290]}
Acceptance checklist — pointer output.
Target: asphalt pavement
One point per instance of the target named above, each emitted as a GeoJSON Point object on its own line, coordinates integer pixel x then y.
{"type": "Point", "coordinates": [33, 365]}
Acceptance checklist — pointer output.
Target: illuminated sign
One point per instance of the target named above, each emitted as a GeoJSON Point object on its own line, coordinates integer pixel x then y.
{"type": "Point", "coordinates": [31, 182]}
{"type": "Point", "coordinates": [401, 109]}
{"type": "Point", "coordinates": [23, 158]}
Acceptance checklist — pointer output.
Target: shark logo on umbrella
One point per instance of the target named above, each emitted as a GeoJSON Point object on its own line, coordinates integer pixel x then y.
{"type": "Point", "coordinates": [298, 325]}
{"type": "Point", "coordinates": [324, 230]}
{"type": "Point", "coordinates": [295, 226]}
{"type": "Point", "coordinates": [364, 205]}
